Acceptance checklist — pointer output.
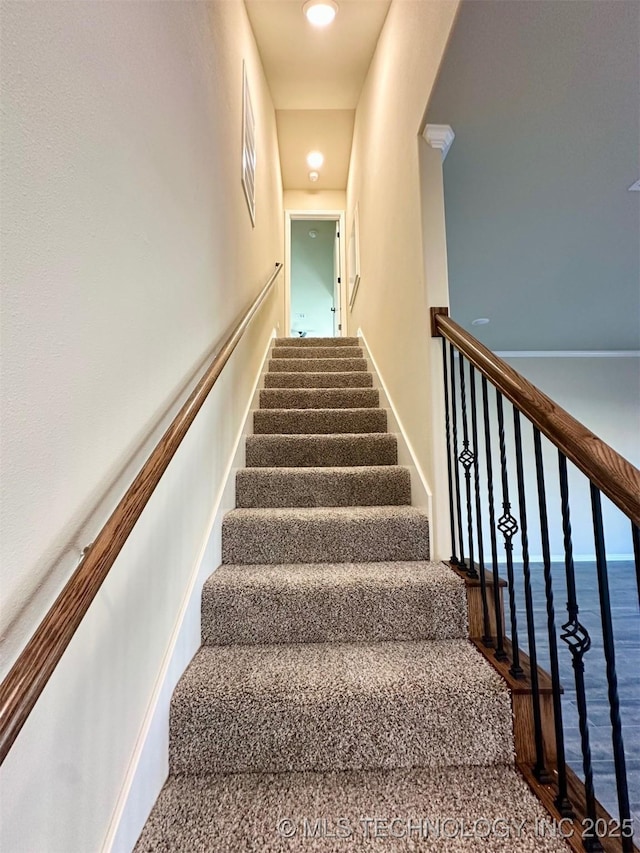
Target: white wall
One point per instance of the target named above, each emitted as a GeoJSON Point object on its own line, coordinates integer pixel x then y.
{"type": "Point", "coordinates": [127, 250]}
{"type": "Point", "coordinates": [392, 303]}
{"type": "Point", "coordinates": [315, 200]}
{"type": "Point", "coordinates": [312, 272]}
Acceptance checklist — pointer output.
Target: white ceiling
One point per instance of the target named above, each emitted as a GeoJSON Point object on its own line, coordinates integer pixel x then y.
{"type": "Point", "coordinates": [301, 131]}
{"type": "Point", "coordinates": [315, 77]}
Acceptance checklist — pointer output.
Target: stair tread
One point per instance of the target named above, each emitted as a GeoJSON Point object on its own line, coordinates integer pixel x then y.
{"type": "Point", "coordinates": [389, 575]}
{"type": "Point", "coordinates": [318, 534]}
{"type": "Point", "coordinates": [314, 421]}
{"type": "Point", "coordinates": [311, 450]}
{"type": "Point", "coordinates": [364, 485]}
{"type": "Point", "coordinates": [328, 470]}
{"type": "Point", "coordinates": [328, 514]}
{"type": "Point", "coordinates": [320, 706]}
{"type": "Point", "coordinates": [316, 381]}
{"type": "Point", "coordinates": [306, 672]}
{"type": "Point", "coordinates": [319, 398]}
{"type": "Point", "coordinates": [332, 602]}
{"type": "Point", "coordinates": [243, 812]}
{"type": "Point", "coordinates": [316, 342]}
{"type": "Point", "coordinates": [315, 365]}
{"type": "Point", "coordinates": [317, 352]}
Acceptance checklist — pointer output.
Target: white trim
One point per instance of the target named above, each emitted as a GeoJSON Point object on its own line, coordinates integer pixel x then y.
{"type": "Point", "coordinates": [567, 353]}
{"type": "Point", "coordinates": [331, 215]}
{"type": "Point", "coordinates": [439, 136]}
{"type": "Point", "coordinates": [133, 806]}
{"type": "Point", "coordinates": [421, 494]}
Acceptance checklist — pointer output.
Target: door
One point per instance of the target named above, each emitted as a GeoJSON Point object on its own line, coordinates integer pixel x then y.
{"type": "Point", "coordinates": [314, 300]}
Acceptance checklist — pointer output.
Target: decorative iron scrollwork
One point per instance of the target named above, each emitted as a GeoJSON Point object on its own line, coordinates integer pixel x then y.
{"type": "Point", "coordinates": [467, 458]}
{"type": "Point", "coordinates": [577, 638]}
{"type": "Point", "coordinates": [507, 525]}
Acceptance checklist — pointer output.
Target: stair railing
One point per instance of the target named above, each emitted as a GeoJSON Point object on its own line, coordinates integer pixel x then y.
{"type": "Point", "coordinates": [476, 446]}
{"type": "Point", "coordinates": [30, 673]}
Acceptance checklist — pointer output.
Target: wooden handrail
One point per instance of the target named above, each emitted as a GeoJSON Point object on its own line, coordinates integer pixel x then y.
{"type": "Point", "coordinates": [27, 678]}
{"type": "Point", "coordinates": [614, 475]}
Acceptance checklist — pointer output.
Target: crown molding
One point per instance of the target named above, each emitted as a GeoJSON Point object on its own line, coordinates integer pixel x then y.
{"type": "Point", "coordinates": [439, 136]}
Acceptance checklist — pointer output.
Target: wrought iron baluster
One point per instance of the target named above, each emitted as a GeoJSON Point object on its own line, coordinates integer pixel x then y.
{"type": "Point", "coordinates": [467, 460]}
{"type": "Point", "coordinates": [577, 638]}
{"type": "Point", "coordinates": [562, 801]}
{"type": "Point", "coordinates": [508, 526]}
{"type": "Point", "coordinates": [540, 771]}
{"type": "Point", "coordinates": [610, 657]}
{"type": "Point", "coordinates": [499, 653]}
{"type": "Point", "coordinates": [486, 637]}
{"type": "Point", "coordinates": [453, 559]}
{"type": "Point", "coordinates": [454, 423]}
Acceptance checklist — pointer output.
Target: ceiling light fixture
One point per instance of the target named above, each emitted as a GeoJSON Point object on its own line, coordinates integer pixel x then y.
{"type": "Point", "coordinates": [313, 233]}
{"type": "Point", "coordinates": [313, 176]}
{"type": "Point", "coordinates": [481, 321]}
{"type": "Point", "coordinates": [315, 159]}
{"type": "Point", "coordinates": [320, 13]}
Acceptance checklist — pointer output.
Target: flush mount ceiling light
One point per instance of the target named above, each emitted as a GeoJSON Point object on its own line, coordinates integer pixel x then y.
{"type": "Point", "coordinates": [481, 321]}
{"type": "Point", "coordinates": [315, 159]}
{"type": "Point", "coordinates": [313, 233]}
{"type": "Point", "coordinates": [320, 13]}
{"type": "Point", "coordinates": [313, 176]}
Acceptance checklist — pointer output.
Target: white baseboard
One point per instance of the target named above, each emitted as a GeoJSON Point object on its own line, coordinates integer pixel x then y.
{"type": "Point", "coordinates": [149, 765]}
{"type": "Point", "coordinates": [421, 494]}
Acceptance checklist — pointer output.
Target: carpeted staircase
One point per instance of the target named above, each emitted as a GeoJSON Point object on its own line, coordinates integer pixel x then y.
{"type": "Point", "coordinates": [335, 685]}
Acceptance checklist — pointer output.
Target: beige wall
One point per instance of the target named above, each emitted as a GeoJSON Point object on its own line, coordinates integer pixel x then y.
{"type": "Point", "coordinates": [127, 251]}
{"type": "Point", "coordinates": [384, 180]}
{"type": "Point", "coordinates": [315, 200]}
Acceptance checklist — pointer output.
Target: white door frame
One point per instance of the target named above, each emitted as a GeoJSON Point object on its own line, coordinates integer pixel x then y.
{"type": "Point", "coordinates": [332, 215]}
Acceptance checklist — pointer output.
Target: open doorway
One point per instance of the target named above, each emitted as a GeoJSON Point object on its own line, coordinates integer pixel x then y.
{"type": "Point", "coordinates": [314, 287]}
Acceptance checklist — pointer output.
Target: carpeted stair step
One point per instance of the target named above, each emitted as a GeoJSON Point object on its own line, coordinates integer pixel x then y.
{"type": "Point", "coordinates": [329, 534]}
{"type": "Point", "coordinates": [383, 485]}
{"type": "Point", "coordinates": [318, 421]}
{"type": "Point", "coordinates": [319, 398]}
{"type": "Point", "coordinates": [316, 342]}
{"type": "Point", "coordinates": [333, 603]}
{"type": "Point", "coordinates": [317, 365]}
{"type": "Point", "coordinates": [332, 379]}
{"type": "Point", "coordinates": [337, 812]}
{"type": "Point", "coordinates": [316, 352]}
{"type": "Point", "coordinates": [267, 451]}
{"type": "Point", "coordinates": [324, 706]}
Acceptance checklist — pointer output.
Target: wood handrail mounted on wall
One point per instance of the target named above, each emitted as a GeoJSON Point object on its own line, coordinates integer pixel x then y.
{"type": "Point", "coordinates": [614, 475]}
{"type": "Point", "coordinates": [26, 680]}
